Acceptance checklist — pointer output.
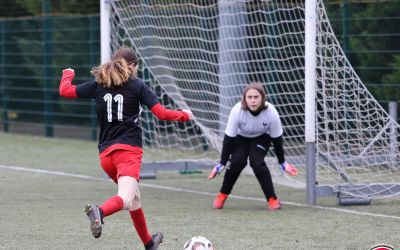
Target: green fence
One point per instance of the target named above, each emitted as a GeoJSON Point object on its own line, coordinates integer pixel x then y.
{"type": "Point", "coordinates": [33, 53]}
{"type": "Point", "coordinates": [34, 50]}
{"type": "Point", "coordinates": [369, 32]}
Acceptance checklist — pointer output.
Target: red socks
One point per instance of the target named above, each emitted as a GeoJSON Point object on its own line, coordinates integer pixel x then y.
{"type": "Point", "coordinates": [139, 221]}
{"type": "Point", "coordinates": [112, 205]}
{"type": "Point", "coordinates": [115, 204]}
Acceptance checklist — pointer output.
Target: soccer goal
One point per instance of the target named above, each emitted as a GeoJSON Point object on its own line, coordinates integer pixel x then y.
{"type": "Point", "coordinates": [201, 54]}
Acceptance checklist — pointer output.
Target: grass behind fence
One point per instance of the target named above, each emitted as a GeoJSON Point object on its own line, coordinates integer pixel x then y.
{"type": "Point", "coordinates": [42, 211]}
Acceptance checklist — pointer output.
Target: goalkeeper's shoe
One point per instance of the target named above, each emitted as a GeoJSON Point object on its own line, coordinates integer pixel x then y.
{"type": "Point", "coordinates": [219, 201]}
{"type": "Point", "coordinates": [289, 168]}
{"type": "Point", "coordinates": [274, 204]}
{"type": "Point", "coordinates": [156, 240]}
{"type": "Point", "coordinates": [216, 171]}
{"type": "Point", "coordinates": [95, 218]}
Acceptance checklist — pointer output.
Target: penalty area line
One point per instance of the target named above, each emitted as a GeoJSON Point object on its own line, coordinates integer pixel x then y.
{"type": "Point", "coordinates": [174, 189]}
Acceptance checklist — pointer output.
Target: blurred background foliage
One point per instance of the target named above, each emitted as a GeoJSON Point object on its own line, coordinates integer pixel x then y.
{"type": "Point", "coordinates": [29, 8]}
{"type": "Point", "coordinates": [369, 31]}
{"type": "Point", "coordinates": [39, 38]}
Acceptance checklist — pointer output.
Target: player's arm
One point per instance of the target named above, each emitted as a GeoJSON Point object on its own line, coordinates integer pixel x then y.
{"type": "Point", "coordinates": [227, 148]}
{"type": "Point", "coordinates": [231, 131]}
{"type": "Point", "coordinates": [163, 113]}
{"type": "Point", "coordinates": [278, 147]}
{"type": "Point", "coordinates": [285, 166]}
{"type": "Point", "coordinates": [84, 90]}
{"type": "Point", "coordinates": [66, 88]}
{"type": "Point", "coordinates": [276, 132]}
{"type": "Point", "coordinates": [148, 98]}
{"type": "Point", "coordinates": [228, 143]}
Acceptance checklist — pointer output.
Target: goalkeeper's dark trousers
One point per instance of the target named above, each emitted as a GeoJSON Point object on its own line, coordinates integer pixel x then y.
{"type": "Point", "coordinates": [255, 150]}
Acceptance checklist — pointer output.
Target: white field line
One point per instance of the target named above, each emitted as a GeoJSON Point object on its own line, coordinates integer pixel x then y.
{"type": "Point", "coordinates": [48, 172]}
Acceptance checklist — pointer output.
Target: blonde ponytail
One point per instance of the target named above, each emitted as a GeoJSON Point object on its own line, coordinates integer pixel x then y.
{"type": "Point", "coordinates": [113, 73]}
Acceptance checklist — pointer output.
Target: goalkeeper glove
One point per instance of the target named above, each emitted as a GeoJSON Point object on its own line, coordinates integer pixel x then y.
{"type": "Point", "coordinates": [216, 170]}
{"type": "Point", "coordinates": [289, 168]}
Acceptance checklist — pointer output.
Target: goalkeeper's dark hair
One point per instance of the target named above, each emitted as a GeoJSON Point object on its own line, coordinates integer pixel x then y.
{"type": "Point", "coordinates": [260, 88]}
{"type": "Point", "coordinates": [117, 71]}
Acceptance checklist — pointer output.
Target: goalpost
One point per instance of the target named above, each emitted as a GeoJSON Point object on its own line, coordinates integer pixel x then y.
{"type": "Point", "coordinates": [200, 54]}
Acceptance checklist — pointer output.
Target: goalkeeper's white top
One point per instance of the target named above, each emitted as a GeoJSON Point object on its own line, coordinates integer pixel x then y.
{"type": "Point", "coordinates": [242, 122]}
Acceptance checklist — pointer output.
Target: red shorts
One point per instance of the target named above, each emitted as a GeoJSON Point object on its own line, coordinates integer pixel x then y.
{"type": "Point", "coordinates": [122, 162]}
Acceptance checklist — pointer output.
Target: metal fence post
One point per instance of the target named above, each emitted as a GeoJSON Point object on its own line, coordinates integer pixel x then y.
{"type": "Point", "coordinates": [394, 153]}
{"type": "Point", "coordinates": [4, 91]}
{"type": "Point", "coordinates": [93, 60]}
{"type": "Point", "coordinates": [47, 61]}
{"type": "Point", "coordinates": [346, 26]}
{"type": "Point", "coordinates": [147, 127]}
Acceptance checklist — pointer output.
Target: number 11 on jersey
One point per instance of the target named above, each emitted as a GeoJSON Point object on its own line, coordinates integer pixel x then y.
{"type": "Point", "coordinates": [119, 99]}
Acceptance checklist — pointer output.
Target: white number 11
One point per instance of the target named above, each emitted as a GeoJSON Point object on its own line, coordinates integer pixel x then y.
{"type": "Point", "coordinates": [119, 99]}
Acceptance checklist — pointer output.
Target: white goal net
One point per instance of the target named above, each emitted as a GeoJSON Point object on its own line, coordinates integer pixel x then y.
{"type": "Point", "coordinates": [200, 54]}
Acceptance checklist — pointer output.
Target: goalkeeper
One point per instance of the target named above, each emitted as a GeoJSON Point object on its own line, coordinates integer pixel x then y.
{"type": "Point", "coordinates": [253, 124]}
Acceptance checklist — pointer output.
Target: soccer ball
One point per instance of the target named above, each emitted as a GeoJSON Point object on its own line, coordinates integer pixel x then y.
{"type": "Point", "coordinates": [198, 243]}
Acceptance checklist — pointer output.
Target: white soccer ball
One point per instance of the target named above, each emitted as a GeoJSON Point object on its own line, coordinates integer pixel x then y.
{"type": "Point", "coordinates": [198, 243]}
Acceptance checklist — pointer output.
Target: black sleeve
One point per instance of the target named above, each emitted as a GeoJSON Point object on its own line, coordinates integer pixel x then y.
{"type": "Point", "coordinates": [86, 90]}
{"type": "Point", "coordinates": [278, 146]}
{"type": "Point", "coordinates": [148, 97]}
{"type": "Point", "coordinates": [227, 147]}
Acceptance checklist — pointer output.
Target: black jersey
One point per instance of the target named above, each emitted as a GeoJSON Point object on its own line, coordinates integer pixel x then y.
{"type": "Point", "coordinates": [118, 110]}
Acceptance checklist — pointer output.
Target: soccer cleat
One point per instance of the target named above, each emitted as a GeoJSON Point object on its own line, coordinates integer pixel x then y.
{"type": "Point", "coordinates": [96, 220]}
{"type": "Point", "coordinates": [219, 201]}
{"type": "Point", "coordinates": [216, 170]}
{"type": "Point", "coordinates": [274, 204]}
{"type": "Point", "coordinates": [156, 240]}
{"type": "Point", "coordinates": [289, 168]}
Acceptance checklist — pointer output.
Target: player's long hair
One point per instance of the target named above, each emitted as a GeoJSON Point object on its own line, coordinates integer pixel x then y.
{"type": "Point", "coordinates": [128, 54]}
{"type": "Point", "coordinates": [260, 88]}
{"type": "Point", "coordinates": [117, 71]}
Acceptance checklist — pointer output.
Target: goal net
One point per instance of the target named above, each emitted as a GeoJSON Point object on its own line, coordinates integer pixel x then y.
{"type": "Point", "coordinates": [200, 54]}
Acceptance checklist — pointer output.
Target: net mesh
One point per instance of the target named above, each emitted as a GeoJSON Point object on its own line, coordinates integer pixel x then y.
{"type": "Point", "coordinates": [201, 54]}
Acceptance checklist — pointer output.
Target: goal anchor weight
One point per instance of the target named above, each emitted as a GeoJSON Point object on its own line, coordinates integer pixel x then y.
{"type": "Point", "coordinates": [343, 194]}
{"type": "Point", "coordinates": [346, 200]}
